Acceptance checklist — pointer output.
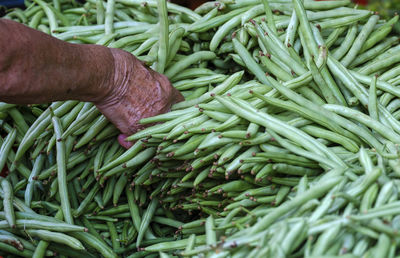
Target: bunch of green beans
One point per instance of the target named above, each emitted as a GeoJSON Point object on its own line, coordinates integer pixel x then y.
{"type": "Point", "coordinates": [286, 144]}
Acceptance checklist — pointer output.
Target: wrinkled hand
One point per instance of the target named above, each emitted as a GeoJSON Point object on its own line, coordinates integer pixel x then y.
{"type": "Point", "coordinates": [135, 92]}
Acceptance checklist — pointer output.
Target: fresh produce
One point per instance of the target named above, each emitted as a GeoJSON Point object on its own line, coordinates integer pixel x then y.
{"type": "Point", "coordinates": [285, 146]}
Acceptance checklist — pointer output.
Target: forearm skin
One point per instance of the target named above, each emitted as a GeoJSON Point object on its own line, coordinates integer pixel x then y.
{"type": "Point", "coordinates": [38, 68]}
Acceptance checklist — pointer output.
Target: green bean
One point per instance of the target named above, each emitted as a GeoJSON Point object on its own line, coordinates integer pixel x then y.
{"type": "Point", "coordinates": [56, 237]}
{"type": "Point", "coordinates": [198, 82]}
{"type": "Point", "coordinates": [6, 106]}
{"type": "Point", "coordinates": [28, 141]}
{"type": "Point", "coordinates": [119, 187]}
{"type": "Point", "coordinates": [163, 39]}
{"type": "Point", "coordinates": [333, 37]}
{"type": "Point", "coordinates": [6, 147]}
{"type": "Point", "coordinates": [133, 208]}
{"type": "Point", "coordinates": [113, 235]}
{"type": "Point", "coordinates": [178, 244]}
{"type": "Point", "coordinates": [60, 108]}
{"type": "Point", "coordinates": [145, 46]}
{"type": "Point", "coordinates": [347, 43]}
{"type": "Point", "coordinates": [102, 218]}
{"type": "Point", "coordinates": [45, 225]}
{"type": "Point", "coordinates": [181, 128]}
{"type": "Point", "coordinates": [187, 61]}
{"type": "Point", "coordinates": [279, 157]}
{"type": "Point", "coordinates": [382, 85]}
{"type": "Point", "coordinates": [192, 73]}
{"type": "Point", "coordinates": [25, 244]}
{"type": "Point", "coordinates": [211, 237]}
{"type": "Point", "coordinates": [131, 40]}
{"type": "Point", "coordinates": [313, 192]}
{"type": "Point", "coordinates": [326, 5]}
{"type": "Point", "coordinates": [95, 243]}
{"type": "Point", "coordinates": [274, 68]}
{"type": "Point", "coordinates": [369, 198]}
{"type": "Point", "coordinates": [270, 19]}
{"type": "Point", "coordinates": [201, 26]}
{"type": "Point", "coordinates": [49, 13]}
{"type": "Point", "coordinates": [379, 64]}
{"type": "Point", "coordinates": [334, 137]}
{"type": "Point", "coordinates": [107, 39]}
{"type": "Point", "coordinates": [299, 151]}
{"type": "Point", "coordinates": [167, 221]}
{"type": "Point", "coordinates": [291, 29]}
{"type": "Point", "coordinates": [84, 116]}
{"type": "Point", "coordinates": [138, 146]}
{"type": "Point", "coordinates": [283, 89]}
{"type": "Point", "coordinates": [174, 8]}
{"type": "Point", "coordinates": [379, 34]}
{"type": "Point", "coordinates": [10, 239]}
{"type": "Point", "coordinates": [290, 239]}
{"type": "Point", "coordinates": [8, 202]}
{"type": "Point", "coordinates": [372, 100]}
{"type": "Point", "coordinates": [382, 246]}
{"type": "Point", "coordinates": [35, 20]}
{"type": "Point", "coordinates": [366, 120]}
{"type": "Point", "coordinates": [109, 17]}
{"type": "Point", "coordinates": [385, 193]}
{"type": "Point", "coordinates": [374, 51]}
{"type": "Point", "coordinates": [32, 178]}
{"type": "Point", "coordinates": [196, 93]}
{"type": "Point", "coordinates": [191, 243]}
{"type": "Point", "coordinates": [147, 216]}
{"type": "Point", "coordinates": [86, 201]}
{"type": "Point", "coordinates": [210, 13]}
{"type": "Point", "coordinates": [361, 186]}
{"type": "Point", "coordinates": [251, 64]}
{"type": "Point", "coordinates": [189, 146]}
{"type": "Point", "coordinates": [235, 134]}
{"type": "Point", "coordinates": [325, 239]}
{"type": "Point", "coordinates": [360, 40]}
{"type": "Point", "coordinates": [19, 120]}
{"type": "Point", "coordinates": [344, 21]}
{"type": "Point", "coordinates": [305, 28]}
{"type": "Point", "coordinates": [228, 26]}
{"type": "Point", "coordinates": [327, 89]}
{"type": "Point", "coordinates": [94, 129]}
{"type": "Point", "coordinates": [61, 171]}
{"type": "Point", "coordinates": [136, 161]}
{"type": "Point", "coordinates": [11, 250]}
{"type": "Point", "coordinates": [267, 38]}
{"type": "Point", "coordinates": [175, 43]}
{"type": "Point", "coordinates": [162, 127]}
{"type": "Point", "coordinates": [306, 113]}
{"type": "Point", "coordinates": [100, 13]}
{"type": "Point", "coordinates": [230, 82]}
{"type": "Point", "coordinates": [143, 17]}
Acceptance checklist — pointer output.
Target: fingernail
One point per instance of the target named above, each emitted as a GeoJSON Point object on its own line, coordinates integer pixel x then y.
{"type": "Point", "coordinates": [122, 141]}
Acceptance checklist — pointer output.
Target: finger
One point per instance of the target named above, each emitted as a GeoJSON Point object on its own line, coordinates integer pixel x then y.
{"type": "Point", "coordinates": [178, 97]}
{"type": "Point", "coordinates": [123, 143]}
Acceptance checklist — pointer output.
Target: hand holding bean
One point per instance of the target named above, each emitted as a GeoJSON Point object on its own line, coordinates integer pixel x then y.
{"type": "Point", "coordinates": [136, 92]}
{"type": "Point", "coordinates": [39, 68]}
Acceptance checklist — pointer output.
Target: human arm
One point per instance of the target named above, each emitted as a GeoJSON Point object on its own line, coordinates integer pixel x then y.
{"type": "Point", "coordinates": [38, 68]}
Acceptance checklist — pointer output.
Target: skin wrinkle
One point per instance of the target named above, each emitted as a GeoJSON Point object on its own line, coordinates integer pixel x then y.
{"type": "Point", "coordinates": [142, 93]}
{"type": "Point", "coordinates": [38, 68]}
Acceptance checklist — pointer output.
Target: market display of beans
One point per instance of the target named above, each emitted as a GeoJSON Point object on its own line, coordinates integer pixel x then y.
{"type": "Point", "coordinates": [286, 145]}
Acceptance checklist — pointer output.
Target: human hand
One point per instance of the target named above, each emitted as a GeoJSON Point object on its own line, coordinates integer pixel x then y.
{"type": "Point", "coordinates": [135, 92]}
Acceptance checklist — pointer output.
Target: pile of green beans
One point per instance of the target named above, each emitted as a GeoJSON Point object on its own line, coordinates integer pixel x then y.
{"type": "Point", "coordinates": [286, 144]}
